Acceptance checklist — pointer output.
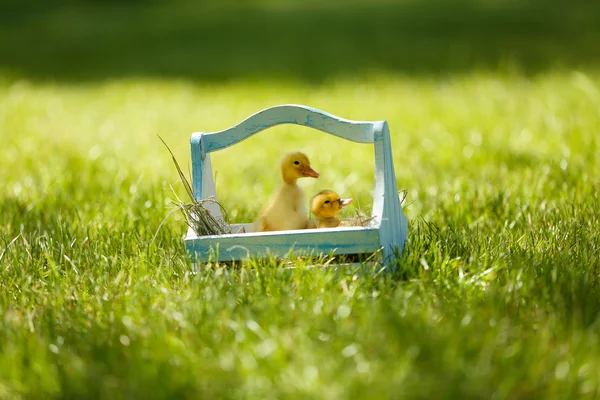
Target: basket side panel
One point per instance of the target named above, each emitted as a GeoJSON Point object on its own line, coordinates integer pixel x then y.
{"type": "Point", "coordinates": [280, 244]}
{"type": "Point", "coordinates": [392, 222]}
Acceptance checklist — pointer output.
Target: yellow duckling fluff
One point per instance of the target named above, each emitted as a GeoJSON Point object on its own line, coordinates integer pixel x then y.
{"type": "Point", "coordinates": [287, 208]}
{"type": "Point", "coordinates": [325, 206]}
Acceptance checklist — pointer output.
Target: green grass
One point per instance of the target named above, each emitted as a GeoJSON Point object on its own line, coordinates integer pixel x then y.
{"type": "Point", "coordinates": [497, 296]}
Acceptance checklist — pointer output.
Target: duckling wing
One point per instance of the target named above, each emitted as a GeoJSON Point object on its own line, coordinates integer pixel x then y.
{"type": "Point", "coordinates": [287, 210]}
{"type": "Point", "coordinates": [312, 224]}
{"type": "Point", "coordinates": [261, 225]}
{"type": "Point", "coordinates": [329, 223]}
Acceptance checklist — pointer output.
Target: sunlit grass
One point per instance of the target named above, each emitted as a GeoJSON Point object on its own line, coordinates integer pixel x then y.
{"type": "Point", "coordinates": [497, 296]}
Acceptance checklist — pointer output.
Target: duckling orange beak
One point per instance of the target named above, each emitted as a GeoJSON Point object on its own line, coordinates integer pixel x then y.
{"type": "Point", "coordinates": [344, 202]}
{"type": "Point", "coordinates": [308, 171]}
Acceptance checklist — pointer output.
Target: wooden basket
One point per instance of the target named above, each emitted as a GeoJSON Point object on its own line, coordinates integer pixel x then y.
{"type": "Point", "coordinates": [387, 231]}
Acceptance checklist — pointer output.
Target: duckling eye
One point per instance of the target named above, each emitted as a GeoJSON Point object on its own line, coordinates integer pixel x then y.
{"type": "Point", "coordinates": [296, 162]}
{"type": "Point", "coordinates": [327, 201]}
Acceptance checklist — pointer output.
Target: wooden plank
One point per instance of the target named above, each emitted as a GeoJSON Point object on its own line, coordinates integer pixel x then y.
{"type": "Point", "coordinates": [352, 240]}
{"type": "Point", "coordinates": [356, 131]}
{"type": "Point", "coordinates": [197, 165]}
{"type": "Point", "coordinates": [208, 188]}
{"type": "Point", "coordinates": [248, 226]}
{"type": "Point", "coordinates": [202, 176]}
{"type": "Point", "coordinates": [393, 228]}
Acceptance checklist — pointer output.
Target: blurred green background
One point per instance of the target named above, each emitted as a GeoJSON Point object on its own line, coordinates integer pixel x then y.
{"type": "Point", "coordinates": [312, 41]}
{"type": "Point", "coordinates": [105, 76]}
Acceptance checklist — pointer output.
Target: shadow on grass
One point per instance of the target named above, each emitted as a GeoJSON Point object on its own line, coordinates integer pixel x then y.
{"type": "Point", "coordinates": [313, 42]}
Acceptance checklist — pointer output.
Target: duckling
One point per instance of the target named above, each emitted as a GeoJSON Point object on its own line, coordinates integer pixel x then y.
{"type": "Point", "coordinates": [287, 209]}
{"type": "Point", "coordinates": [325, 206]}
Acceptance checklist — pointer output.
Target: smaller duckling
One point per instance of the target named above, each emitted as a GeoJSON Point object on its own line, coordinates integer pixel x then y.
{"type": "Point", "coordinates": [325, 206]}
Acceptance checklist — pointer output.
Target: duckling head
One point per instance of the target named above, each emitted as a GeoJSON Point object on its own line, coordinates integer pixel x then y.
{"type": "Point", "coordinates": [327, 204]}
{"type": "Point", "coordinates": [296, 165]}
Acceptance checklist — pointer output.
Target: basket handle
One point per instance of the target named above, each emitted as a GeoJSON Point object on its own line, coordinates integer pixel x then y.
{"type": "Point", "coordinates": [355, 131]}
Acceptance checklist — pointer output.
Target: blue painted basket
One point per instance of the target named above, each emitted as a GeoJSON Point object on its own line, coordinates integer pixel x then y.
{"type": "Point", "coordinates": [386, 233]}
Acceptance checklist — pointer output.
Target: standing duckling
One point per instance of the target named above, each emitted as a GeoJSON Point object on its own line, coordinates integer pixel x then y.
{"type": "Point", "coordinates": [325, 206]}
{"type": "Point", "coordinates": [287, 209]}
